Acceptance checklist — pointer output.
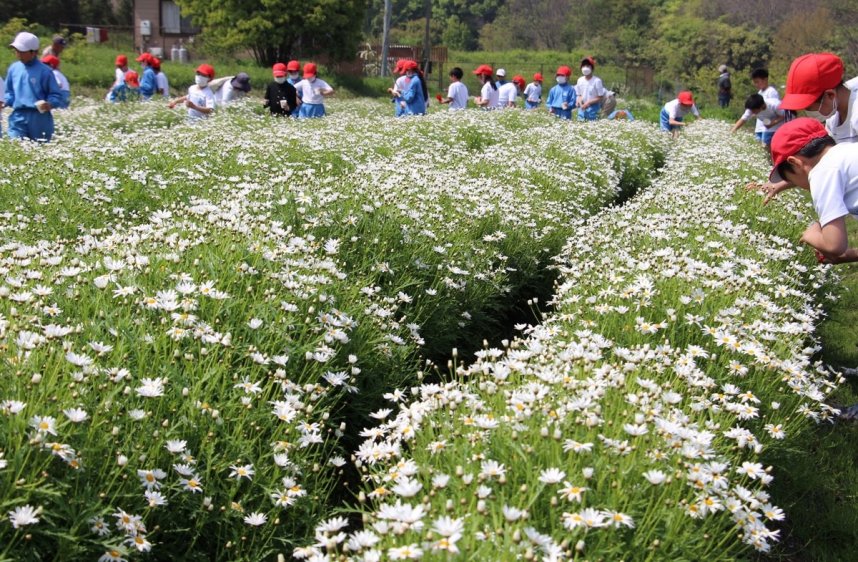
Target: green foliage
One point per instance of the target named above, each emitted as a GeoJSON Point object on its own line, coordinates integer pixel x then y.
{"type": "Point", "coordinates": [274, 29]}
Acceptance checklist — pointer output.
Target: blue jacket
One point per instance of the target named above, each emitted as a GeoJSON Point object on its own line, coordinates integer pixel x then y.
{"type": "Point", "coordinates": [415, 103]}
{"type": "Point", "coordinates": [148, 83]}
{"type": "Point", "coordinates": [561, 93]}
{"type": "Point", "coordinates": [28, 83]}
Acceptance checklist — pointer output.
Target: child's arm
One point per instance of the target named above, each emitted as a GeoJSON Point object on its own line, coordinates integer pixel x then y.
{"type": "Point", "coordinates": [770, 189]}
{"type": "Point", "coordinates": [177, 101]}
{"type": "Point", "coordinates": [737, 125]}
{"type": "Point", "coordinates": [831, 240]}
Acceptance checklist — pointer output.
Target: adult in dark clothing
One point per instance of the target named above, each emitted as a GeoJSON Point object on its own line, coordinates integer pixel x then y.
{"type": "Point", "coordinates": [280, 96]}
{"type": "Point", "coordinates": [725, 86]}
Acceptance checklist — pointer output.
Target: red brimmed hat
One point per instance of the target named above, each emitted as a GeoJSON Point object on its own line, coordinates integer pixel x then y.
{"type": "Point", "coordinates": [206, 70]}
{"type": "Point", "coordinates": [132, 79]}
{"type": "Point", "coordinates": [791, 138]}
{"type": "Point", "coordinates": [685, 98]}
{"type": "Point", "coordinates": [809, 76]}
{"type": "Point", "coordinates": [310, 70]}
{"type": "Point", "coordinates": [518, 79]}
{"type": "Point", "coordinates": [563, 71]}
{"type": "Point", "coordinates": [51, 61]}
{"type": "Point", "coordinates": [279, 69]}
{"type": "Point", "coordinates": [144, 58]}
{"type": "Point", "coordinates": [484, 69]}
{"type": "Point", "coordinates": [121, 60]}
{"type": "Point", "coordinates": [409, 65]}
{"type": "Point", "coordinates": [537, 77]}
{"type": "Point", "coordinates": [293, 66]}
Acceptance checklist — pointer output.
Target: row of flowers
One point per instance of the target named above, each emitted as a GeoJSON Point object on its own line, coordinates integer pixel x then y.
{"type": "Point", "coordinates": [197, 320]}
{"type": "Point", "coordinates": [632, 422]}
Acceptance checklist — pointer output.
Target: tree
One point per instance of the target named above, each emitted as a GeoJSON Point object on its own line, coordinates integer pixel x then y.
{"type": "Point", "coordinates": [276, 29]}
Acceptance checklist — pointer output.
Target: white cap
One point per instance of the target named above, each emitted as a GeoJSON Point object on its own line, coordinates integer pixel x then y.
{"type": "Point", "coordinates": [500, 72]}
{"type": "Point", "coordinates": [25, 41]}
{"type": "Point", "coordinates": [722, 68]}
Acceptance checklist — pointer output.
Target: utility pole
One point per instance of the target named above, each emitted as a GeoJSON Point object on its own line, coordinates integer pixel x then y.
{"type": "Point", "coordinates": [385, 40]}
{"type": "Point", "coordinates": [427, 6]}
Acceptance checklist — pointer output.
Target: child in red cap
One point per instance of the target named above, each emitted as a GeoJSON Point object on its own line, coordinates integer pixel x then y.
{"type": "Point", "coordinates": [815, 85]}
{"type": "Point", "coordinates": [200, 99]}
{"type": "Point", "coordinates": [562, 96]}
{"type": "Point", "coordinates": [675, 111]}
{"type": "Point", "coordinates": [280, 97]}
{"type": "Point", "coordinates": [312, 90]}
{"type": "Point", "coordinates": [399, 86]}
{"type": "Point", "coordinates": [533, 92]}
{"type": "Point", "coordinates": [805, 155]}
{"type": "Point", "coordinates": [590, 90]}
{"type": "Point", "coordinates": [489, 97]}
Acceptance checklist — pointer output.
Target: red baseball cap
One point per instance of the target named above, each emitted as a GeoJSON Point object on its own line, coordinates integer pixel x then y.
{"type": "Point", "coordinates": [279, 69]}
{"type": "Point", "coordinates": [810, 75]}
{"type": "Point", "coordinates": [121, 60]}
{"type": "Point", "coordinates": [309, 70]}
{"type": "Point", "coordinates": [409, 65]}
{"type": "Point", "coordinates": [517, 79]}
{"type": "Point", "coordinates": [563, 71]}
{"type": "Point", "coordinates": [685, 98]}
{"type": "Point", "coordinates": [131, 79]}
{"type": "Point", "coordinates": [537, 77]}
{"type": "Point", "coordinates": [144, 58]}
{"type": "Point", "coordinates": [484, 69]}
{"type": "Point", "coordinates": [588, 61]}
{"type": "Point", "coordinates": [206, 70]}
{"type": "Point", "coordinates": [155, 63]}
{"type": "Point", "coordinates": [293, 66]}
{"type": "Point", "coordinates": [51, 61]}
{"type": "Point", "coordinates": [791, 138]}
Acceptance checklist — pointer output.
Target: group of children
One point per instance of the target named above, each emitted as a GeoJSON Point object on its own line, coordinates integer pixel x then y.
{"type": "Point", "coordinates": [587, 99]}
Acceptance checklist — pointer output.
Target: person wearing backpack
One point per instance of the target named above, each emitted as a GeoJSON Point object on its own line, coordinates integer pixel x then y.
{"type": "Point", "coordinates": [725, 86]}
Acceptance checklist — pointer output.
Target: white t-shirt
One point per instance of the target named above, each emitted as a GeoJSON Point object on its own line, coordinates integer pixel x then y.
{"type": "Point", "coordinates": [201, 97]}
{"type": "Point", "coordinates": [533, 92]}
{"type": "Point", "coordinates": [491, 94]}
{"type": "Point", "coordinates": [834, 183]}
{"type": "Point", "coordinates": [848, 130]}
{"type": "Point", "coordinates": [311, 92]}
{"type": "Point", "coordinates": [674, 109]}
{"type": "Point", "coordinates": [764, 117]}
{"type": "Point", "coordinates": [507, 94]}
{"type": "Point", "coordinates": [119, 76]}
{"type": "Point", "coordinates": [62, 80]}
{"type": "Point", "coordinates": [458, 92]}
{"type": "Point", "coordinates": [162, 83]}
{"type": "Point", "coordinates": [589, 89]}
{"type": "Point", "coordinates": [770, 93]}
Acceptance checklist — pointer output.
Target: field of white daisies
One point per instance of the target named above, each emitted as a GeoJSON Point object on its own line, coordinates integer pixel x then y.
{"type": "Point", "coordinates": [251, 339]}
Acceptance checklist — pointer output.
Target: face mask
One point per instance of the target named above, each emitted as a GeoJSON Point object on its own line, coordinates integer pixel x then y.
{"type": "Point", "coordinates": [586, 70]}
{"type": "Point", "coordinates": [293, 75]}
{"type": "Point", "coordinates": [818, 115]}
{"type": "Point", "coordinates": [280, 79]}
{"type": "Point", "coordinates": [561, 79]}
{"type": "Point", "coordinates": [201, 81]}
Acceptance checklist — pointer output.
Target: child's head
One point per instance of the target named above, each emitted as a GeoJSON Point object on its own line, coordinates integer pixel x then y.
{"type": "Point", "coordinates": [563, 73]}
{"type": "Point", "coordinates": [760, 78]}
{"type": "Point", "coordinates": [501, 74]}
{"type": "Point", "coordinates": [278, 71]}
{"type": "Point", "coordinates": [587, 65]}
{"type": "Point", "coordinates": [121, 61]}
{"type": "Point", "coordinates": [293, 69]}
{"type": "Point", "coordinates": [811, 77]}
{"type": "Point", "coordinates": [26, 46]}
{"type": "Point", "coordinates": [537, 77]}
{"type": "Point", "coordinates": [518, 81]}
{"type": "Point", "coordinates": [205, 73]}
{"type": "Point", "coordinates": [132, 79]}
{"type": "Point", "coordinates": [755, 103]}
{"type": "Point", "coordinates": [796, 147]}
{"type": "Point", "coordinates": [456, 73]}
{"type": "Point", "coordinates": [484, 72]}
{"type": "Point", "coordinates": [686, 99]}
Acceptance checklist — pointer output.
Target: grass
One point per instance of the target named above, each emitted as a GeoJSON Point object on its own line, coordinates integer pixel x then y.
{"type": "Point", "coordinates": [822, 483]}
